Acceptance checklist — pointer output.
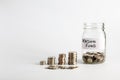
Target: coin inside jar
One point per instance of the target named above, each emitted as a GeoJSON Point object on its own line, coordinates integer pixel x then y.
{"type": "Point", "coordinates": [93, 57]}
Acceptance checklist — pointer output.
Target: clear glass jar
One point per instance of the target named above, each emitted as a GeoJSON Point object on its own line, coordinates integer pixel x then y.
{"type": "Point", "coordinates": [93, 43]}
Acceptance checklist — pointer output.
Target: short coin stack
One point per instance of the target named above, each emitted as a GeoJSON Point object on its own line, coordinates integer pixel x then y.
{"type": "Point", "coordinates": [51, 61]}
{"type": "Point", "coordinates": [62, 59]}
{"type": "Point", "coordinates": [43, 62]}
{"type": "Point", "coordinates": [72, 58]}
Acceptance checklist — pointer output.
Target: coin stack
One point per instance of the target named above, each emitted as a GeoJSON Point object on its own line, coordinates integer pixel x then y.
{"type": "Point", "coordinates": [62, 67]}
{"type": "Point", "coordinates": [62, 59]}
{"type": "Point", "coordinates": [51, 61]}
{"type": "Point", "coordinates": [43, 62]}
{"type": "Point", "coordinates": [72, 58]}
{"type": "Point", "coordinates": [52, 67]}
{"type": "Point", "coordinates": [72, 67]}
{"type": "Point", "coordinates": [93, 57]}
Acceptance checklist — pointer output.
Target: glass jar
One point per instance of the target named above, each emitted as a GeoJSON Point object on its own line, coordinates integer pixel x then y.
{"type": "Point", "coordinates": [93, 43]}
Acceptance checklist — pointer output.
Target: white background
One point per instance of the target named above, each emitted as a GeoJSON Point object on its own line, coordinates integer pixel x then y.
{"type": "Point", "coordinates": [32, 30]}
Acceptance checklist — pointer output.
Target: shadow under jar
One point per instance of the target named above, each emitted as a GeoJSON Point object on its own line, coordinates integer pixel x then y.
{"type": "Point", "coordinates": [93, 43]}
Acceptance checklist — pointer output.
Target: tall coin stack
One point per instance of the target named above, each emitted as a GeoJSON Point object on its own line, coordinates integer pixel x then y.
{"type": "Point", "coordinates": [62, 59]}
{"type": "Point", "coordinates": [72, 58]}
{"type": "Point", "coordinates": [51, 61]}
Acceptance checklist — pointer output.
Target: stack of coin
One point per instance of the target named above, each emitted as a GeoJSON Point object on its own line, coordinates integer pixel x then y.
{"type": "Point", "coordinates": [93, 57]}
{"type": "Point", "coordinates": [72, 58]}
{"type": "Point", "coordinates": [62, 67]}
{"type": "Point", "coordinates": [51, 61]}
{"type": "Point", "coordinates": [62, 59]}
{"type": "Point", "coordinates": [52, 67]}
{"type": "Point", "coordinates": [43, 62]}
{"type": "Point", "coordinates": [72, 67]}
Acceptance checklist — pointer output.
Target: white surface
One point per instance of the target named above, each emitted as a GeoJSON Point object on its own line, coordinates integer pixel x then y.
{"type": "Point", "coordinates": [32, 30]}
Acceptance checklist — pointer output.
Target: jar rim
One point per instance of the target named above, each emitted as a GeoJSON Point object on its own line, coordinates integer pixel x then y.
{"type": "Point", "coordinates": [94, 25]}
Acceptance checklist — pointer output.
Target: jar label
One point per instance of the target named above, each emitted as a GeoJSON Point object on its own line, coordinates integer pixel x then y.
{"type": "Point", "coordinates": [89, 43]}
